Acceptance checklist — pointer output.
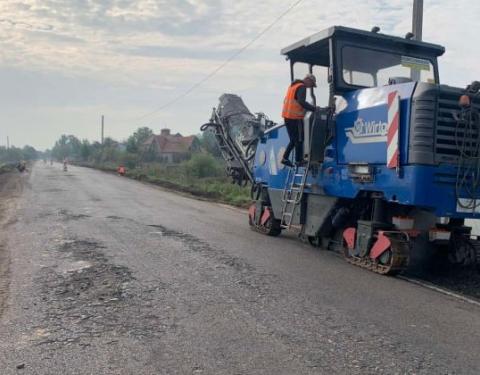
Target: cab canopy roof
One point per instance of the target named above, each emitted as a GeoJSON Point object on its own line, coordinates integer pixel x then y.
{"type": "Point", "coordinates": [315, 49]}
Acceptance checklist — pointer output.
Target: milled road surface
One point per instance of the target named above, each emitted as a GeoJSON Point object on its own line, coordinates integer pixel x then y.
{"type": "Point", "coordinates": [111, 276]}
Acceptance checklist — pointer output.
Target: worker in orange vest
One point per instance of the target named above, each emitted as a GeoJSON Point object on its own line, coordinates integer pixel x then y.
{"type": "Point", "coordinates": [121, 170]}
{"type": "Point", "coordinates": [295, 106]}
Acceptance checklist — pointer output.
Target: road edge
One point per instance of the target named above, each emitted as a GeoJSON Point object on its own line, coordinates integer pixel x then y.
{"type": "Point", "coordinates": [11, 190]}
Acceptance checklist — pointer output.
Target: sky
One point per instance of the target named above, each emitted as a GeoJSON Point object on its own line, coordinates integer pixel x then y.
{"type": "Point", "coordinates": [64, 63]}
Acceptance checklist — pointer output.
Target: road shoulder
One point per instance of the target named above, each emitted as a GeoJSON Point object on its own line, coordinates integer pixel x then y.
{"type": "Point", "coordinates": [11, 187]}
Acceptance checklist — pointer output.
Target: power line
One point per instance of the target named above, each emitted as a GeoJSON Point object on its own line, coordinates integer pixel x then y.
{"type": "Point", "coordinates": [222, 65]}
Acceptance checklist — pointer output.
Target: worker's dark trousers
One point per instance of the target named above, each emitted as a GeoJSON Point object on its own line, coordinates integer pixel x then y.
{"type": "Point", "coordinates": [295, 132]}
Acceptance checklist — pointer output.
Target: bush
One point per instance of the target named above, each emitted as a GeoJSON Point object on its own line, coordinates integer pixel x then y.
{"type": "Point", "coordinates": [201, 166]}
{"type": "Point", "coordinates": [129, 160]}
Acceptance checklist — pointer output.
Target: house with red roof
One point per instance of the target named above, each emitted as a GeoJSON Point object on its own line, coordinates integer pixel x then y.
{"type": "Point", "coordinates": [171, 148]}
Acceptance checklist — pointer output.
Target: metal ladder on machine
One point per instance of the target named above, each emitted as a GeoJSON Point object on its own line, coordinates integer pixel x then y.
{"type": "Point", "coordinates": [293, 190]}
{"type": "Point", "coordinates": [293, 193]}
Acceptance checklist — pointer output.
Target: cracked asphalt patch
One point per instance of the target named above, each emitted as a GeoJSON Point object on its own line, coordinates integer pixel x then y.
{"type": "Point", "coordinates": [67, 215]}
{"type": "Point", "coordinates": [88, 296]}
{"type": "Point", "coordinates": [252, 278]}
{"type": "Point", "coordinates": [114, 217]}
{"type": "Point", "coordinates": [53, 190]}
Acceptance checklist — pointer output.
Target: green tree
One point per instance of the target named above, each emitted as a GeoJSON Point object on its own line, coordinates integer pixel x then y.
{"type": "Point", "coordinates": [11, 154]}
{"type": "Point", "coordinates": [67, 146]}
{"type": "Point", "coordinates": [74, 146]}
{"type": "Point", "coordinates": [110, 150]}
{"type": "Point", "coordinates": [29, 153]}
{"type": "Point", "coordinates": [209, 144]}
{"type": "Point", "coordinates": [60, 149]}
{"type": "Point", "coordinates": [85, 150]}
{"type": "Point", "coordinates": [135, 141]}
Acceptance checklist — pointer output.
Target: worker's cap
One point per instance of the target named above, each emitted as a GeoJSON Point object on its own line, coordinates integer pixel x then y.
{"type": "Point", "coordinates": [312, 78]}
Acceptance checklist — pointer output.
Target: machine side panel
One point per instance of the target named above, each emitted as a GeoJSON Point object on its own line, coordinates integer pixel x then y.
{"type": "Point", "coordinates": [362, 125]}
{"type": "Point", "coordinates": [318, 209]}
{"type": "Point", "coordinates": [267, 168]}
{"type": "Point", "coordinates": [430, 187]}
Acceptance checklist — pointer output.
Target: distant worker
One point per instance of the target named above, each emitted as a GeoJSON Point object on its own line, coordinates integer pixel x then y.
{"type": "Point", "coordinates": [121, 170]}
{"type": "Point", "coordinates": [65, 163]}
{"type": "Point", "coordinates": [295, 106]}
{"type": "Point", "coordinates": [22, 166]}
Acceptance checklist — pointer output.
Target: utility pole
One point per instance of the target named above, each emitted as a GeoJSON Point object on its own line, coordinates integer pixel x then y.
{"type": "Point", "coordinates": [8, 142]}
{"type": "Point", "coordinates": [102, 128]}
{"type": "Point", "coordinates": [417, 30]}
{"type": "Point", "coordinates": [417, 22]}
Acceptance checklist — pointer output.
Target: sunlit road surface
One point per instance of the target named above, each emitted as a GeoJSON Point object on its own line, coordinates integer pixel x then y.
{"type": "Point", "coordinates": [111, 276]}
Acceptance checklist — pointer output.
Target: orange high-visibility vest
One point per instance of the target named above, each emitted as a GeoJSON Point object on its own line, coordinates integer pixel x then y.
{"type": "Point", "coordinates": [291, 108]}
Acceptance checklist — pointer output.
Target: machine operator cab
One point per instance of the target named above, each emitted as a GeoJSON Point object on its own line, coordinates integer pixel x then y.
{"type": "Point", "coordinates": [347, 62]}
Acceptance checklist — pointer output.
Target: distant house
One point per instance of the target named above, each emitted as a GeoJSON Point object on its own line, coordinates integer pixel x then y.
{"type": "Point", "coordinates": [169, 148]}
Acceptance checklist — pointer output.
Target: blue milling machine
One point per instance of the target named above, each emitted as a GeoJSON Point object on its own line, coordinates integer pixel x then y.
{"type": "Point", "coordinates": [391, 162]}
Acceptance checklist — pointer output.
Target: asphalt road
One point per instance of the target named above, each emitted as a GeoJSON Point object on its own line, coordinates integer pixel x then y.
{"type": "Point", "coordinates": [111, 276]}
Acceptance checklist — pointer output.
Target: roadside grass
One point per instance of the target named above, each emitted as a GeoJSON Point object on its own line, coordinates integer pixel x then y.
{"type": "Point", "coordinates": [6, 167]}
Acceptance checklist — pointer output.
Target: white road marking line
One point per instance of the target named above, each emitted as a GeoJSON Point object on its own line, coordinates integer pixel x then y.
{"type": "Point", "coordinates": [441, 290]}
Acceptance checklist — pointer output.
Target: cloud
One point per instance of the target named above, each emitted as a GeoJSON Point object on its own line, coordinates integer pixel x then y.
{"type": "Point", "coordinates": [25, 25]}
{"type": "Point", "coordinates": [127, 57]}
